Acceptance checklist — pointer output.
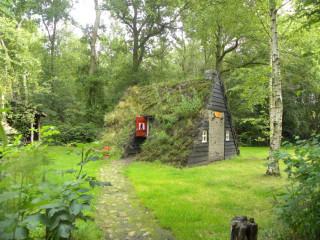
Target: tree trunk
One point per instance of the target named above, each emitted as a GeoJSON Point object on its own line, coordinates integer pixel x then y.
{"type": "Point", "coordinates": [276, 105]}
{"type": "Point", "coordinates": [39, 129]}
{"type": "Point", "coordinates": [32, 133]}
{"type": "Point", "coordinates": [6, 79]}
{"type": "Point", "coordinates": [52, 51]}
{"type": "Point", "coordinates": [135, 55]}
{"type": "Point", "coordinates": [25, 87]}
{"type": "Point", "coordinates": [2, 107]}
{"type": "Point", "coordinates": [219, 50]}
{"type": "Point", "coordinates": [242, 229]}
{"type": "Point", "coordinates": [93, 42]}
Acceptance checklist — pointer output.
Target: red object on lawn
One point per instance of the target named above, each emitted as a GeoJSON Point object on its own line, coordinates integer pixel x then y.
{"type": "Point", "coordinates": [141, 127]}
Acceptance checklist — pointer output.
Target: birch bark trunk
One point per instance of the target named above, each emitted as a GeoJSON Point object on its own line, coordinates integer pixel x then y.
{"type": "Point", "coordinates": [276, 105]}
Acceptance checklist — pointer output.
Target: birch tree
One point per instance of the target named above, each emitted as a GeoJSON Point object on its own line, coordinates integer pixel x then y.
{"type": "Point", "coordinates": [276, 103]}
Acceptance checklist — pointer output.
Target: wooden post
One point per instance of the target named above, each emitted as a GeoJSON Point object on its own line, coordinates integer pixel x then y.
{"type": "Point", "coordinates": [31, 134]}
{"type": "Point", "coordinates": [39, 128]}
{"type": "Point", "coordinates": [242, 229]}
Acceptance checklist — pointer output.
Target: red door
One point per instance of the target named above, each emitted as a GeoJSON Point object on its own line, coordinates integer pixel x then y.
{"type": "Point", "coordinates": [141, 127]}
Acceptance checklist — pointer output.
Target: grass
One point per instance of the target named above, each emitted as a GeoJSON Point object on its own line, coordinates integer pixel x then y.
{"type": "Point", "coordinates": [199, 203]}
{"type": "Point", "coordinates": [63, 161]}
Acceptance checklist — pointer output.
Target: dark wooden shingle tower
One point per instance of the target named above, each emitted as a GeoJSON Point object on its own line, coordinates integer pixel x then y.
{"type": "Point", "coordinates": [216, 138]}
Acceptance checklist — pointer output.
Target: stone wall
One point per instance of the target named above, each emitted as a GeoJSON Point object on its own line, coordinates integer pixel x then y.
{"type": "Point", "coordinates": [216, 136]}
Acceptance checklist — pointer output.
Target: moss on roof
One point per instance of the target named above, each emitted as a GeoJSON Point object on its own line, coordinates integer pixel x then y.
{"type": "Point", "coordinates": [177, 109]}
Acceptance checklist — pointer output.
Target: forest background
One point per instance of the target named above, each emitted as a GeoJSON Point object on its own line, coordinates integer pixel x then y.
{"type": "Point", "coordinates": [76, 74]}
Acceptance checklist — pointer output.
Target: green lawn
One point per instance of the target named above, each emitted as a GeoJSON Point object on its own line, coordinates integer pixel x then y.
{"type": "Point", "coordinates": [63, 161]}
{"type": "Point", "coordinates": [199, 203]}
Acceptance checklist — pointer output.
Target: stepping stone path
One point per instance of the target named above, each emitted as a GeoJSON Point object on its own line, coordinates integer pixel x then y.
{"type": "Point", "coordinates": [120, 213]}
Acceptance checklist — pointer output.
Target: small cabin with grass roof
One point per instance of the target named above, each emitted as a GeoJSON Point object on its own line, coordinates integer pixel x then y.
{"type": "Point", "coordinates": [180, 123]}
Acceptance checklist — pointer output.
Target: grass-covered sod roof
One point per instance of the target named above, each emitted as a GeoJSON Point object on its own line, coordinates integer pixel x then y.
{"type": "Point", "coordinates": [177, 108]}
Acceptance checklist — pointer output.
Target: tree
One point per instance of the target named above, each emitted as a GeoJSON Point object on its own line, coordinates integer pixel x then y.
{"type": "Point", "coordinates": [144, 21]}
{"type": "Point", "coordinates": [20, 69]}
{"type": "Point", "coordinates": [276, 102]}
{"type": "Point", "coordinates": [222, 27]}
{"type": "Point", "coordinates": [301, 92]}
{"type": "Point", "coordinates": [93, 56]}
{"type": "Point", "coordinates": [5, 6]}
{"type": "Point", "coordinates": [52, 13]}
{"type": "Point", "coordinates": [310, 9]}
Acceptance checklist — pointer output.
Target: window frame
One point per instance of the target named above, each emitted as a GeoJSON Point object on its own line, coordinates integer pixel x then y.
{"type": "Point", "coordinates": [227, 135]}
{"type": "Point", "coordinates": [204, 136]}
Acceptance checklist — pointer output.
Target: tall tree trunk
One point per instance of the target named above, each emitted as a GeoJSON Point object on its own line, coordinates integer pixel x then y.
{"type": "Point", "coordinates": [94, 37]}
{"type": "Point", "coordinates": [184, 60]}
{"type": "Point", "coordinates": [31, 133]}
{"type": "Point", "coordinates": [25, 87]}
{"type": "Point", "coordinates": [219, 49]}
{"type": "Point", "coordinates": [276, 105]}
{"type": "Point", "coordinates": [184, 56]}
{"type": "Point", "coordinates": [271, 96]}
{"type": "Point", "coordinates": [6, 79]}
{"type": "Point", "coordinates": [2, 107]}
{"type": "Point", "coordinates": [135, 54]}
{"type": "Point", "coordinates": [52, 51]}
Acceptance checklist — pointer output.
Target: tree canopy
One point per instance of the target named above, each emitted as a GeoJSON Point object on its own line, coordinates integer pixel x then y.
{"type": "Point", "coordinates": [76, 79]}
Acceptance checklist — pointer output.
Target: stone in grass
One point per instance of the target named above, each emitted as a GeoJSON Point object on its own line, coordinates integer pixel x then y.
{"type": "Point", "coordinates": [131, 234]}
{"type": "Point", "coordinates": [146, 234]}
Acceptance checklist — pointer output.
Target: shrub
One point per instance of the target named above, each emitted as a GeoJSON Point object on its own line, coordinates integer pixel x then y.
{"type": "Point", "coordinates": [83, 133]}
{"type": "Point", "coordinates": [188, 108]}
{"type": "Point", "coordinates": [30, 203]}
{"type": "Point", "coordinates": [163, 137]}
{"type": "Point", "coordinates": [299, 207]}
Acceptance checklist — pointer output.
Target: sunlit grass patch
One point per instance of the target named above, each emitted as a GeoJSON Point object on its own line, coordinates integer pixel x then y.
{"type": "Point", "coordinates": [199, 203]}
{"type": "Point", "coordinates": [63, 161]}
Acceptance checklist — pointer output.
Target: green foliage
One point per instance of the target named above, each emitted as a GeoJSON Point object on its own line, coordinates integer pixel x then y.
{"type": "Point", "coordinates": [253, 131]}
{"type": "Point", "coordinates": [301, 92]}
{"type": "Point", "coordinates": [31, 202]}
{"type": "Point", "coordinates": [247, 91]}
{"type": "Point", "coordinates": [309, 9]}
{"type": "Point", "coordinates": [81, 133]}
{"type": "Point", "coordinates": [3, 135]}
{"type": "Point", "coordinates": [21, 116]}
{"type": "Point", "coordinates": [188, 108]}
{"type": "Point", "coordinates": [299, 207]}
{"type": "Point", "coordinates": [5, 8]}
{"type": "Point", "coordinates": [144, 20]}
{"type": "Point", "coordinates": [18, 61]}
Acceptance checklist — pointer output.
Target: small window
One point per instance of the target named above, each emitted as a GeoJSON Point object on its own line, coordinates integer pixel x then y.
{"type": "Point", "coordinates": [204, 136]}
{"type": "Point", "coordinates": [227, 135]}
